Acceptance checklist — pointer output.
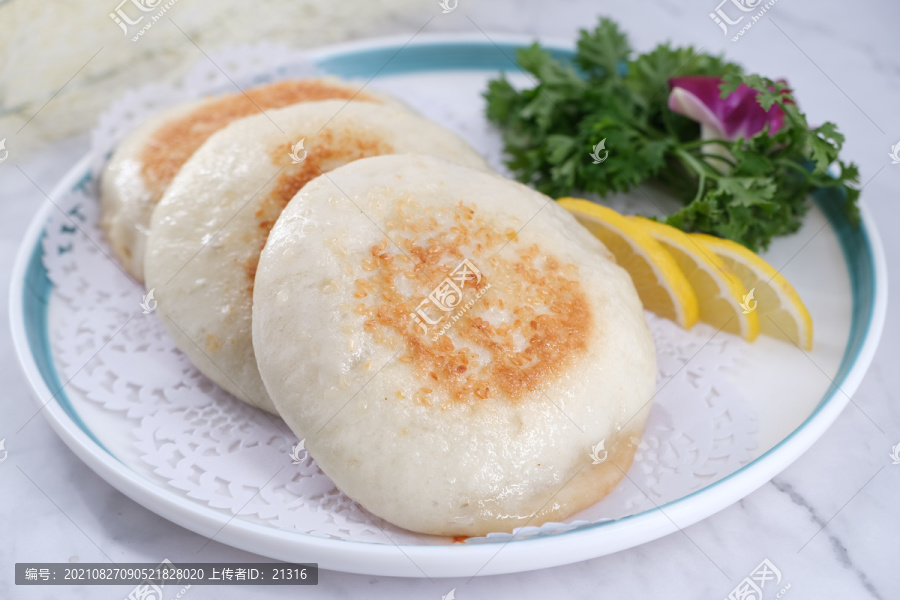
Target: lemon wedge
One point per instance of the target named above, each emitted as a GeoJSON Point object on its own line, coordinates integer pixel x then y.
{"type": "Point", "coordinates": [661, 286]}
{"type": "Point", "coordinates": [719, 291]}
{"type": "Point", "coordinates": [782, 314]}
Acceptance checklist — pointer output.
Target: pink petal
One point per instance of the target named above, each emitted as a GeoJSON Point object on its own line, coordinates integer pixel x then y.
{"type": "Point", "coordinates": [686, 103]}
{"type": "Point", "coordinates": [738, 115]}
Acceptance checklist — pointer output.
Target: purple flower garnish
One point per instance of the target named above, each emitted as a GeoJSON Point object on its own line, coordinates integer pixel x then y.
{"type": "Point", "coordinates": [738, 115]}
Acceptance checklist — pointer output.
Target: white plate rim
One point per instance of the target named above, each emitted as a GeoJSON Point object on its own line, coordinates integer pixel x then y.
{"type": "Point", "coordinates": [435, 561]}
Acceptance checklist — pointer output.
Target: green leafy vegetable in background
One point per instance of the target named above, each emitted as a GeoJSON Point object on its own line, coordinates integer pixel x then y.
{"type": "Point", "coordinates": [747, 188]}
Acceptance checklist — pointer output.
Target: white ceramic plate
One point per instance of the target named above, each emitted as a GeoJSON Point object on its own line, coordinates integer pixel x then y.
{"type": "Point", "coordinates": [837, 269]}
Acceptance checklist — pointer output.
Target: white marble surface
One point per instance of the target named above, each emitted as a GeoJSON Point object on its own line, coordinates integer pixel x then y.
{"type": "Point", "coordinates": [843, 59]}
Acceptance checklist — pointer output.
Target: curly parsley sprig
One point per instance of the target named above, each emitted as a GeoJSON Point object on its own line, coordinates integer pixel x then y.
{"type": "Point", "coordinates": [747, 189]}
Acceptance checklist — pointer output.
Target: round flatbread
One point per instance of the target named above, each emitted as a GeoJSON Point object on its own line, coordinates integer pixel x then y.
{"type": "Point", "coordinates": [147, 160]}
{"type": "Point", "coordinates": [209, 228]}
{"type": "Point", "coordinates": [459, 354]}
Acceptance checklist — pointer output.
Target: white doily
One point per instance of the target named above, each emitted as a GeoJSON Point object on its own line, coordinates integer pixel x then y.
{"type": "Point", "coordinates": [195, 439]}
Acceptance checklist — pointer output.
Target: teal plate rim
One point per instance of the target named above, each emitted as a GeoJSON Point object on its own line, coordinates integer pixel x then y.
{"type": "Point", "coordinates": [860, 245]}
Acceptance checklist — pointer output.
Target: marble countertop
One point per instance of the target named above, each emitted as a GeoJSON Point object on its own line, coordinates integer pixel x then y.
{"type": "Point", "coordinates": [828, 521]}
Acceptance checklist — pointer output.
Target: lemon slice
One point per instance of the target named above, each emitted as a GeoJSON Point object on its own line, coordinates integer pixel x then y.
{"type": "Point", "coordinates": [661, 285]}
{"type": "Point", "coordinates": [719, 291]}
{"type": "Point", "coordinates": [781, 312]}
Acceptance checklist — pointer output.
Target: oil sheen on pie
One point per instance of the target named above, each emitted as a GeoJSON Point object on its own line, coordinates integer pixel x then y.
{"type": "Point", "coordinates": [210, 226]}
{"type": "Point", "coordinates": [451, 345]}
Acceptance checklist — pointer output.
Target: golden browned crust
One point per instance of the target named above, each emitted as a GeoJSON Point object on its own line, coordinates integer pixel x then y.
{"type": "Point", "coordinates": [547, 331]}
{"type": "Point", "coordinates": [174, 142]}
{"type": "Point", "coordinates": [324, 152]}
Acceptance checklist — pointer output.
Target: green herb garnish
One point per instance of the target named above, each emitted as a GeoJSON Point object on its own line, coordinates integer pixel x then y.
{"type": "Point", "coordinates": [747, 189]}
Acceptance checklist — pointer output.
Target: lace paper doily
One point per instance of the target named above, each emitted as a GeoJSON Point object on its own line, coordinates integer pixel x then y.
{"type": "Point", "coordinates": [197, 440]}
